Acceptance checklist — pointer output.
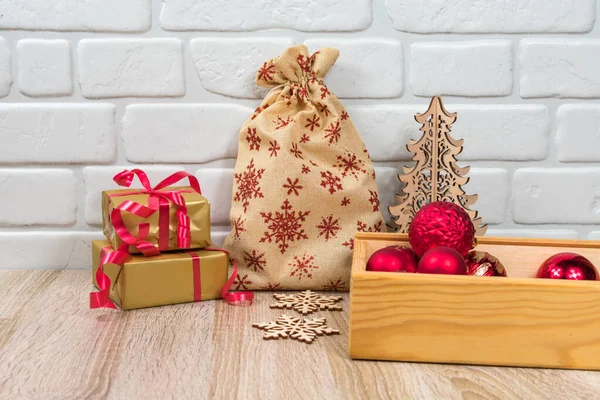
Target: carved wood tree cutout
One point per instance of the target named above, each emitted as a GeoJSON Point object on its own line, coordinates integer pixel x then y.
{"type": "Point", "coordinates": [435, 177]}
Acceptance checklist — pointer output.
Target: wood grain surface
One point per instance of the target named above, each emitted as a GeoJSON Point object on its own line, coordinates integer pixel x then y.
{"type": "Point", "coordinates": [513, 321]}
{"type": "Point", "coordinates": [53, 347]}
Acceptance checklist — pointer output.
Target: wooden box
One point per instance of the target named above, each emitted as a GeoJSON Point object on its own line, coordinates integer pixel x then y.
{"type": "Point", "coordinates": [513, 321]}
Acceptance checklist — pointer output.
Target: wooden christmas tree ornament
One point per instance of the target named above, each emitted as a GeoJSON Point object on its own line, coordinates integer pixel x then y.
{"type": "Point", "coordinates": [435, 177]}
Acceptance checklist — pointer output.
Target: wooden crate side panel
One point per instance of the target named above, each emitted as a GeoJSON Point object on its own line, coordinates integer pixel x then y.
{"type": "Point", "coordinates": [521, 258]}
{"type": "Point", "coordinates": [519, 322]}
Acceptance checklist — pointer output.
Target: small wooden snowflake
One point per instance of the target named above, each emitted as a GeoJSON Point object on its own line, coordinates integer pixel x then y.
{"type": "Point", "coordinates": [307, 302]}
{"type": "Point", "coordinates": [300, 329]}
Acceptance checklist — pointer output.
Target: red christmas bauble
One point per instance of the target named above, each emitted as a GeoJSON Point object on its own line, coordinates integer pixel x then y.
{"type": "Point", "coordinates": [441, 224]}
{"type": "Point", "coordinates": [393, 259]}
{"type": "Point", "coordinates": [442, 260]}
{"type": "Point", "coordinates": [481, 263]}
{"type": "Point", "coordinates": [570, 266]}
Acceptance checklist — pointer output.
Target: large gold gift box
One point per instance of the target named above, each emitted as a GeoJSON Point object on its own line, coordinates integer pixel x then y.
{"type": "Point", "coordinates": [168, 278]}
{"type": "Point", "coordinates": [198, 209]}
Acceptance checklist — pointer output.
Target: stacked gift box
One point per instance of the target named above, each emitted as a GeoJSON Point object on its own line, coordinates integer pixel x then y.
{"type": "Point", "coordinates": [157, 250]}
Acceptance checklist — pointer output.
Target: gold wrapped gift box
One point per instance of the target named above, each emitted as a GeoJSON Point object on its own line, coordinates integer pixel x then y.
{"type": "Point", "coordinates": [168, 278]}
{"type": "Point", "coordinates": [198, 209]}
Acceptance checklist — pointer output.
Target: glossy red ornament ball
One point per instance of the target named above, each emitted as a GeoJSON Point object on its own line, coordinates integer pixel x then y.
{"type": "Point", "coordinates": [442, 260]}
{"type": "Point", "coordinates": [481, 263]}
{"type": "Point", "coordinates": [393, 259]}
{"type": "Point", "coordinates": [570, 266]}
{"type": "Point", "coordinates": [441, 224]}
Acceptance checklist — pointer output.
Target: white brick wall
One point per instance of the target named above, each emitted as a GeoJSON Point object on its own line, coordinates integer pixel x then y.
{"type": "Point", "coordinates": [44, 67]}
{"type": "Point", "coordinates": [477, 68]}
{"type": "Point", "coordinates": [560, 68]}
{"type": "Point", "coordinates": [221, 73]}
{"type": "Point", "coordinates": [131, 68]}
{"type": "Point", "coordinates": [89, 88]}
{"type": "Point", "coordinates": [432, 16]}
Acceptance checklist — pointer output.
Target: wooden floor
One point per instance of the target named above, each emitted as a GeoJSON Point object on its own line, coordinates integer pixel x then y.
{"type": "Point", "coordinates": [53, 347]}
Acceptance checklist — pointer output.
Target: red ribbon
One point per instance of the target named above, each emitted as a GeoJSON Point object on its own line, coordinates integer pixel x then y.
{"type": "Point", "coordinates": [102, 299]}
{"type": "Point", "coordinates": [157, 200]}
{"type": "Point", "coordinates": [107, 256]}
{"type": "Point", "coordinates": [233, 298]}
{"type": "Point", "coordinates": [197, 276]}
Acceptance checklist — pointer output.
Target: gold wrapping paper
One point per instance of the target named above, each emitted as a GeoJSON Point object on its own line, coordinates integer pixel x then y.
{"type": "Point", "coordinates": [198, 210]}
{"type": "Point", "coordinates": [163, 279]}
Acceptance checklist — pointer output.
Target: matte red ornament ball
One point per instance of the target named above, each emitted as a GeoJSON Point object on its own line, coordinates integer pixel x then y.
{"type": "Point", "coordinates": [442, 260]}
{"type": "Point", "coordinates": [571, 266]}
{"type": "Point", "coordinates": [441, 224]}
{"type": "Point", "coordinates": [393, 259]}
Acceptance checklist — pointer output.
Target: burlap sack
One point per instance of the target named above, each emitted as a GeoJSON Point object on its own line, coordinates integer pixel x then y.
{"type": "Point", "coordinates": [303, 182]}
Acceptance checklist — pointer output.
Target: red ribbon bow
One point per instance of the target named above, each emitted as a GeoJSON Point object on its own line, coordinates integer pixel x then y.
{"type": "Point", "coordinates": [156, 198]}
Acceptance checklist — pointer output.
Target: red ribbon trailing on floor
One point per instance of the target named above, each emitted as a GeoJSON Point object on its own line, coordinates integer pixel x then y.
{"type": "Point", "coordinates": [233, 298]}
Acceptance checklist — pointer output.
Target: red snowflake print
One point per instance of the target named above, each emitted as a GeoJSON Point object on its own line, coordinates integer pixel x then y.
{"type": "Point", "coordinates": [328, 227]}
{"type": "Point", "coordinates": [282, 123]}
{"type": "Point", "coordinates": [344, 115]}
{"type": "Point", "coordinates": [255, 260]}
{"type": "Point", "coordinates": [324, 109]}
{"type": "Point", "coordinates": [374, 200]}
{"type": "Point", "coordinates": [248, 185]}
{"type": "Point", "coordinates": [303, 92]}
{"type": "Point", "coordinates": [272, 286]}
{"type": "Point", "coordinates": [238, 227]}
{"type": "Point", "coordinates": [266, 72]}
{"type": "Point", "coordinates": [345, 201]}
{"type": "Point", "coordinates": [305, 169]}
{"type": "Point", "coordinates": [349, 244]}
{"type": "Point", "coordinates": [333, 132]}
{"type": "Point", "coordinates": [362, 227]}
{"type": "Point", "coordinates": [274, 148]}
{"type": "Point", "coordinates": [253, 139]}
{"type": "Point", "coordinates": [241, 282]}
{"type": "Point", "coordinates": [313, 123]}
{"type": "Point", "coordinates": [284, 227]}
{"type": "Point", "coordinates": [293, 187]}
{"type": "Point", "coordinates": [335, 286]}
{"type": "Point", "coordinates": [324, 92]}
{"type": "Point", "coordinates": [303, 266]}
{"type": "Point", "coordinates": [313, 77]}
{"type": "Point", "coordinates": [349, 164]}
{"type": "Point", "coordinates": [297, 153]}
{"type": "Point", "coordinates": [304, 63]}
{"type": "Point", "coordinates": [288, 97]}
{"type": "Point", "coordinates": [259, 109]}
{"type": "Point", "coordinates": [313, 163]}
{"type": "Point", "coordinates": [331, 182]}
{"type": "Point", "coordinates": [304, 138]}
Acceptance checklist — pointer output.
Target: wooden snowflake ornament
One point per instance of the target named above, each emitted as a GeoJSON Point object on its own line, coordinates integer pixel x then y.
{"type": "Point", "coordinates": [307, 302]}
{"type": "Point", "coordinates": [300, 329]}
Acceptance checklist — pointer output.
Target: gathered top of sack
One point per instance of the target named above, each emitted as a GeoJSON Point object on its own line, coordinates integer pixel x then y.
{"type": "Point", "coordinates": [297, 66]}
